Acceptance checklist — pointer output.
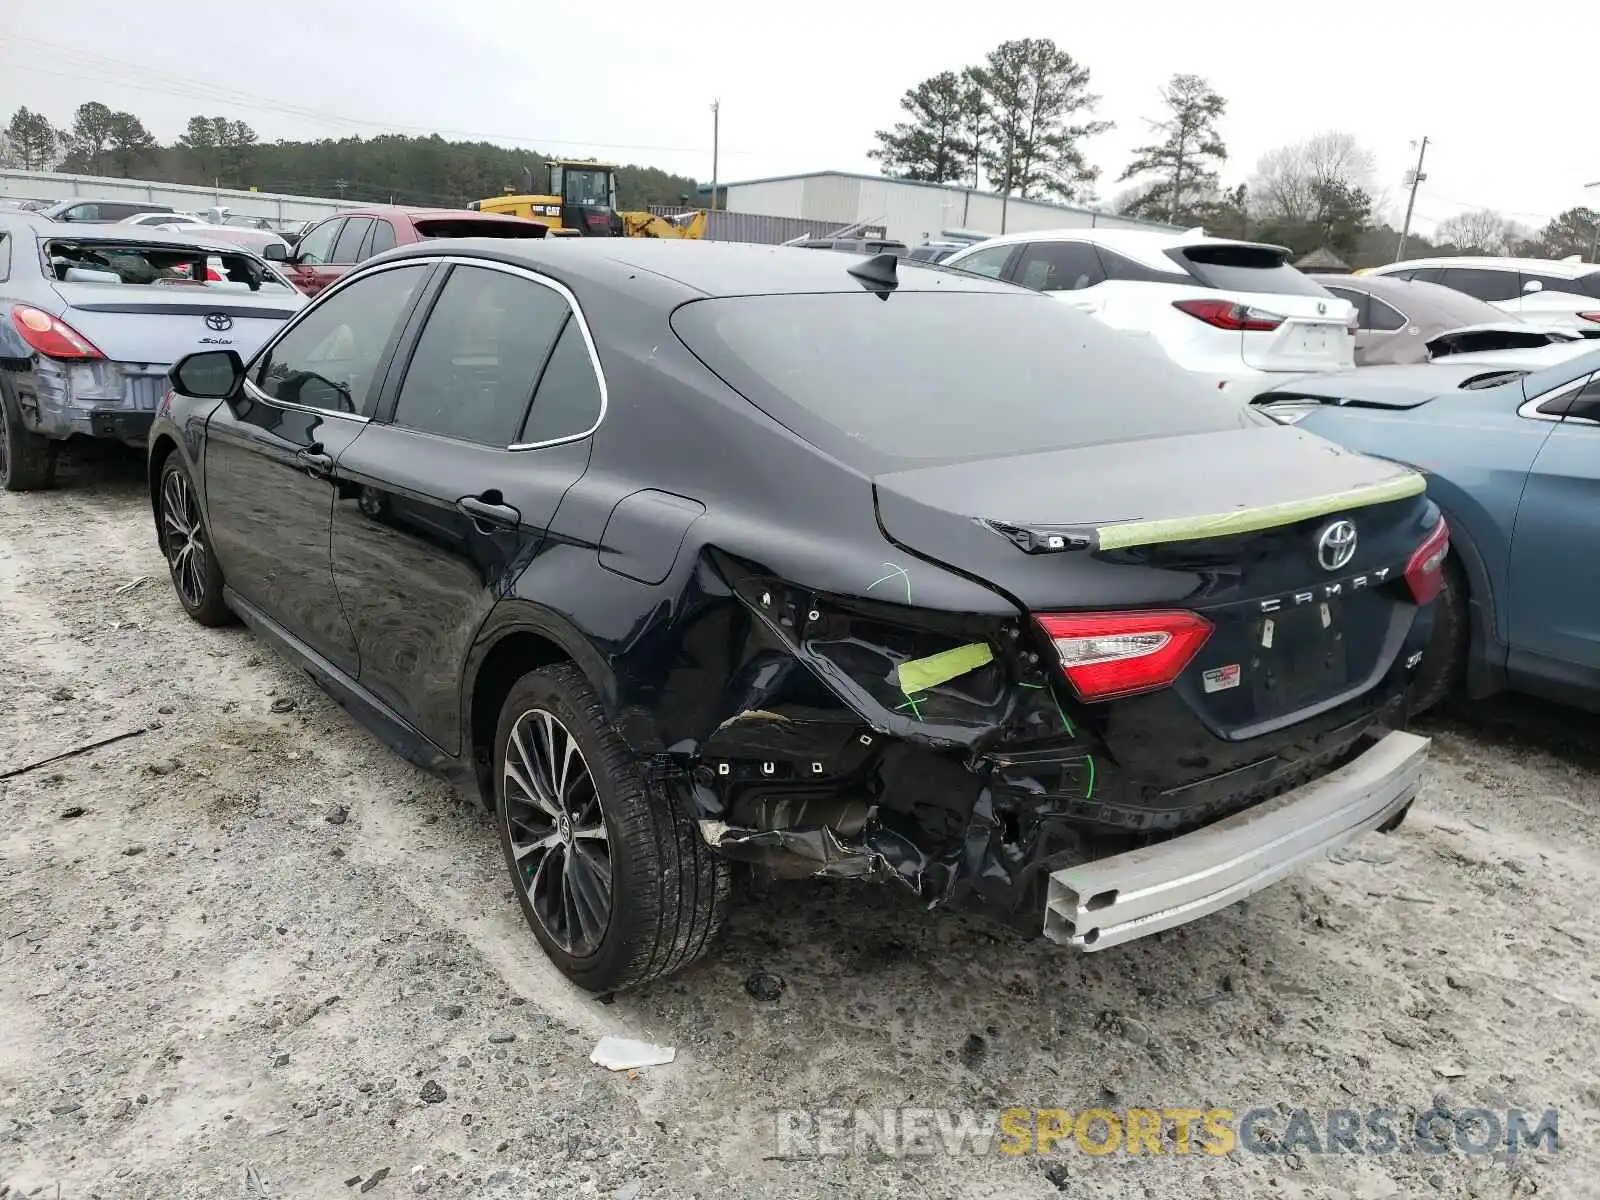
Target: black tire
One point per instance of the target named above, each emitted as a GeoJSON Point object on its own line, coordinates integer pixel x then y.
{"type": "Point", "coordinates": [186, 545]}
{"type": "Point", "coordinates": [27, 459]}
{"type": "Point", "coordinates": [668, 893]}
{"type": "Point", "coordinates": [1444, 661]}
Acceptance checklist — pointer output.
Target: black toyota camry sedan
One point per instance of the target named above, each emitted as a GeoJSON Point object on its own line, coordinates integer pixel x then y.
{"type": "Point", "coordinates": [687, 555]}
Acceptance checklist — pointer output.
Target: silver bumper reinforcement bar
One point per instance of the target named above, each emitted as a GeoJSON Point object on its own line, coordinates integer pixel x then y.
{"type": "Point", "coordinates": [1127, 896]}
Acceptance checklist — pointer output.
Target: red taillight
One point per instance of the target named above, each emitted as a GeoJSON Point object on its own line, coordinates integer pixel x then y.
{"type": "Point", "coordinates": [1225, 314]}
{"type": "Point", "coordinates": [1110, 654]}
{"type": "Point", "coordinates": [1591, 316]}
{"type": "Point", "coordinates": [214, 275]}
{"type": "Point", "coordinates": [49, 335]}
{"type": "Point", "coordinates": [1425, 571]}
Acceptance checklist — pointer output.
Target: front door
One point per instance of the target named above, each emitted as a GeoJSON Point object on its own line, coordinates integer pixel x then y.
{"type": "Point", "coordinates": [446, 496]}
{"type": "Point", "coordinates": [1555, 547]}
{"type": "Point", "coordinates": [309, 268]}
{"type": "Point", "coordinates": [270, 456]}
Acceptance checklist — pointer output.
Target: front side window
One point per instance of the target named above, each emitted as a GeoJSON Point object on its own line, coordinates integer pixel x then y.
{"type": "Point", "coordinates": [1060, 267]}
{"type": "Point", "coordinates": [479, 357]}
{"type": "Point", "coordinates": [989, 262]}
{"type": "Point", "coordinates": [382, 237]}
{"type": "Point", "coordinates": [316, 247]}
{"type": "Point", "coordinates": [330, 359]}
{"type": "Point", "coordinates": [347, 249]}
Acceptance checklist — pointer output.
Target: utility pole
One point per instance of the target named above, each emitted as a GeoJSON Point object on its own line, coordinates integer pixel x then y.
{"type": "Point", "coordinates": [1416, 180]}
{"type": "Point", "coordinates": [716, 122]}
{"type": "Point", "coordinates": [1594, 250]}
{"type": "Point", "coordinates": [1005, 196]}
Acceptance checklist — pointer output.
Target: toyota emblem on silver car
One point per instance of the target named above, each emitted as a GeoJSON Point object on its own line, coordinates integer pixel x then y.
{"type": "Point", "coordinates": [1336, 545]}
{"type": "Point", "coordinates": [219, 321]}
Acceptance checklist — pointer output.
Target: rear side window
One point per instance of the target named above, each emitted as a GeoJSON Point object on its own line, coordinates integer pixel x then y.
{"type": "Point", "coordinates": [1485, 284]}
{"type": "Point", "coordinates": [1383, 316]}
{"type": "Point", "coordinates": [1425, 274]}
{"type": "Point", "coordinates": [1121, 269]}
{"type": "Point", "coordinates": [479, 357]}
{"type": "Point", "coordinates": [1060, 267]}
{"type": "Point", "coordinates": [5, 256]}
{"type": "Point", "coordinates": [941, 376]}
{"type": "Point", "coordinates": [567, 403]}
{"type": "Point", "coordinates": [382, 237]}
{"type": "Point", "coordinates": [1243, 268]}
{"type": "Point", "coordinates": [330, 359]}
{"type": "Point", "coordinates": [1361, 300]}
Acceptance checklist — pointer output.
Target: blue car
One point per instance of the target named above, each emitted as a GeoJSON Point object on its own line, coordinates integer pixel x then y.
{"type": "Point", "coordinates": [1510, 444]}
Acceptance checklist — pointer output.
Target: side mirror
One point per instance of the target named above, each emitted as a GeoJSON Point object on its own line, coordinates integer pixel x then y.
{"type": "Point", "coordinates": [1533, 285]}
{"type": "Point", "coordinates": [275, 252]}
{"type": "Point", "coordinates": [208, 374]}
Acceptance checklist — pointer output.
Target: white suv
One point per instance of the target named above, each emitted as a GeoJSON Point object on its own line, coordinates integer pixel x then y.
{"type": "Point", "coordinates": [1560, 292]}
{"type": "Point", "coordinates": [1235, 313]}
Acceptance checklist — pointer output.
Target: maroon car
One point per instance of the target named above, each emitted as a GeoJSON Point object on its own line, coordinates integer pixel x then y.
{"type": "Point", "coordinates": [331, 247]}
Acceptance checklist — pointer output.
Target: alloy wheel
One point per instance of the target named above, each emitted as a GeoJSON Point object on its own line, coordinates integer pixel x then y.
{"type": "Point", "coordinates": [183, 538]}
{"type": "Point", "coordinates": [557, 832]}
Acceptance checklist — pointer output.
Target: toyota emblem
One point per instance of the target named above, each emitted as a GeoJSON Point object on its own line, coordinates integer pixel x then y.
{"type": "Point", "coordinates": [1336, 545]}
{"type": "Point", "coordinates": [218, 321]}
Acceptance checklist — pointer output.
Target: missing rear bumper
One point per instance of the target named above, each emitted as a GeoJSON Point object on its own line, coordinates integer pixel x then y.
{"type": "Point", "coordinates": [1127, 896]}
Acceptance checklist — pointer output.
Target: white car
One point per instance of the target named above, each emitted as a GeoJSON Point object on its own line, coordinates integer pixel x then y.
{"type": "Point", "coordinates": [1235, 313]}
{"type": "Point", "coordinates": [1561, 292]}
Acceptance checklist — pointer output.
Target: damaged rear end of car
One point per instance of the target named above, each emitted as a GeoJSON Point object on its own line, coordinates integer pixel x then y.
{"type": "Point", "coordinates": [1125, 654]}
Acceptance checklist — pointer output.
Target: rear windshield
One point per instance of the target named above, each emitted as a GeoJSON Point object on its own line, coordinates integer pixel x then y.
{"type": "Point", "coordinates": [943, 375]}
{"type": "Point", "coordinates": [465, 227]}
{"type": "Point", "coordinates": [131, 264]}
{"type": "Point", "coordinates": [1246, 269]}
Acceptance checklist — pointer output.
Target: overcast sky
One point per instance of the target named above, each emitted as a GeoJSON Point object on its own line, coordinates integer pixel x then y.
{"type": "Point", "coordinates": [804, 85]}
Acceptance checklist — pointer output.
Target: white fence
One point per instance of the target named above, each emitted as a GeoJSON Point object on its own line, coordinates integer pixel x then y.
{"type": "Point", "coordinates": [49, 185]}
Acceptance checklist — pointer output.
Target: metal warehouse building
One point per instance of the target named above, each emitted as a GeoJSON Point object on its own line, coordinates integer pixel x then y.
{"type": "Point", "coordinates": [912, 212]}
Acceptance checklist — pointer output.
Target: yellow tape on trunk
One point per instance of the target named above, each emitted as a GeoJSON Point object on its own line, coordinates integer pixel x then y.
{"type": "Point", "coordinates": [1250, 520]}
{"type": "Point", "coordinates": [920, 674]}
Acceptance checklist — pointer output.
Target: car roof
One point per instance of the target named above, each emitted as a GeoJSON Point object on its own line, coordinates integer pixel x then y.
{"type": "Point", "coordinates": [1433, 298]}
{"type": "Point", "coordinates": [1144, 245]}
{"type": "Point", "coordinates": [699, 267]}
{"type": "Point", "coordinates": [1545, 266]}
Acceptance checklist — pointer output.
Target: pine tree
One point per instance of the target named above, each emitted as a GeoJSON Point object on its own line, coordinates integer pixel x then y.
{"type": "Point", "coordinates": [1185, 160]}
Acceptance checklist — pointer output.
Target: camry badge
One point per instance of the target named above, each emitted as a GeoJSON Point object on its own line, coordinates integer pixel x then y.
{"type": "Point", "coordinates": [1336, 545]}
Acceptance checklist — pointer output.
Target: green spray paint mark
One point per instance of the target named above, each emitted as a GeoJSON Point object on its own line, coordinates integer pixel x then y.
{"type": "Point", "coordinates": [920, 674]}
{"type": "Point", "coordinates": [1066, 722]}
{"type": "Point", "coordinates": [911, 703]}
{"type": "Point", "coordinates": [1088, 792]}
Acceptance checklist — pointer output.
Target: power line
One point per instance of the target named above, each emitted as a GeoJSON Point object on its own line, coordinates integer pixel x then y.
{"type": "Point", "coordinates": [144, 78]}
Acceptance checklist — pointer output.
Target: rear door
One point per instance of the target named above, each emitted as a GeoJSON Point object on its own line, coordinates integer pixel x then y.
{"type": "Point", "coordinates": [1289, 322]}
{"type": "Point", "coordinates": [269, 459]}
{"type": "Point", "coordinates": [1492, 285]}
{"type": "Point", "coordinates": [447, 497]}
{"type": "Point", "coordinates": [1555, 547]}
{"type": "Point", "coordinates": [1070, 271]}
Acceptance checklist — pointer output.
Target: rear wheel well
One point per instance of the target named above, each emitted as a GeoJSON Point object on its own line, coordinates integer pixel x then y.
{"type": "Point", "coordinates": [160, 450]}
{"type": "Point", "coordinates": [508, 661]}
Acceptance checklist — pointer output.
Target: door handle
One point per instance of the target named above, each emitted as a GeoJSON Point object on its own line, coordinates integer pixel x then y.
{"type": "Point", "coordinates": [490, 512]}
{"type": "Point", "coordinates": [317, 464]}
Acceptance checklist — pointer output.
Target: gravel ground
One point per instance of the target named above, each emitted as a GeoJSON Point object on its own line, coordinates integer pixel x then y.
{"type": "Point", "coordinates": [249, 952]}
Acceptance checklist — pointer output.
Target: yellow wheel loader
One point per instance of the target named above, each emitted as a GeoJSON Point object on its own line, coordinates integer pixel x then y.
{"type": "Point", "coordinates": [582, 202]}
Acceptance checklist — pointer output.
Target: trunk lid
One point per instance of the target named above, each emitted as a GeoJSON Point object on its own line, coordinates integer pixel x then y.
{"type": "Point", "coordinates": [161, 324]}
{"type": "Point", "coordinates": [1227, 524]}
{"type": "Point", "coordinates": [1316, 328]}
